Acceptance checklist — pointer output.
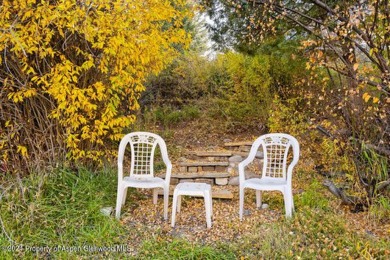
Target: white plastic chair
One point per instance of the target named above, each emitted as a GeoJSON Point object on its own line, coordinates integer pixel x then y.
{"type": "Point", "coordinates": [276, 175]}
{"type": "Point", "coordinates": [142, 145]}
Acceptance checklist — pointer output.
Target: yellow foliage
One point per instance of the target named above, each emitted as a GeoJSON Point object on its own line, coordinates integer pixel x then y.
{"type": "Point", "coordinates": [366, 97]}
{"type": "Point", "coordinates": [90, 58]}
{"type": "Point", "coordinates": [22, 150]}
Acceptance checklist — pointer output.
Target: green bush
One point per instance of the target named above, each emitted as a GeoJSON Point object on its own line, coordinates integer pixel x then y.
{"type": "Point", "coordinates": [313, 198]}
{"type": "Point", "coordinates": [244, 98]}
{"type": "Point", "coordinates": [169, 115]}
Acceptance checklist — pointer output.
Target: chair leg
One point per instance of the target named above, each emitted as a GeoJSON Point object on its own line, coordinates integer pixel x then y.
{"type": "Point", "coordinates": [174, 208]}
{"type": "Point", "coordinates": [124, 196]}
{"type": "Point", "coordinates": [155, 195]}
{"type": "Point", "coordinates": [241, 202]}
{"type": "Point", "coordinates": [166, 200]}
{"type": "Point", "coordinates": [288, 204]}
{"type": "Point", "coordinates": [292, 202]}
{"type": "Point", "coordinates": [258, 198]}
{"type": "Point", "coordinates": [178, 203]}
{"type": "Point", "coordinates": [119, 202]}
{"type": "Point", "coordinates": [207, 204]}
{"type": "Point", "coordinates": [211, 205]}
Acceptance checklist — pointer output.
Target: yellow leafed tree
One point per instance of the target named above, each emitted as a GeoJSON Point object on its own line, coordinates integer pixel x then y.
{"type": "Point", "coordinates": [72, 71]}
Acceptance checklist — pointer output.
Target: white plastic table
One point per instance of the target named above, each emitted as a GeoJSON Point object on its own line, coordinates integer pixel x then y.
{"type": "Point", "coordinates": [193, 189]}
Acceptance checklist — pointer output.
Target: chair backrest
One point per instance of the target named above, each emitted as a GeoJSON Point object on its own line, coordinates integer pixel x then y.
{"type": "Point", "coordinates": [142, 145]}
{"type": "Point", "coordinates": [276, 148]}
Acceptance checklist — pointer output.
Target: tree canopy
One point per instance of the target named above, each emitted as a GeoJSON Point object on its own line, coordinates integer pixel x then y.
{"type": "Point", "coordinates": [347, 47]}
{"type": "Point", "coordinates": [349, 39]}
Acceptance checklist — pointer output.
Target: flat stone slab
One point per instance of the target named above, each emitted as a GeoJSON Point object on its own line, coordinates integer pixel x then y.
{"type": "Point", "coordinates": [243, 143]}
{"type": "Point", "coordinates": [216, 194]}
{"type": "Point", "coordinates": [213, 154]}
{"type": "Point", "coordinates": [236, 159]}
{"type": "Point", "coordinates": [259, 154]}
{"type": "Point", "coordinates": [234, 181]}
{"type": "Point", "coordinates": [189, 164]}
{"type": "Point", "coordinates": [193, 175]}
{"type": "Point", "coordinates": [221, 181]}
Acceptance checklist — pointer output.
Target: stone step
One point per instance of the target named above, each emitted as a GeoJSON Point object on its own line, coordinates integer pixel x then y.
{"type": "Point", "coordinates": [188, 164]}
{"type": "Point", "coordinates": [203, 166]}
{"type": "Point", "coordinates": [216, 194]}
{"type": "Point", "coordinates": [244, 146]}
{"type": "Point", "coordinates": [193, 175]}
{"type": "Point", "coordinates": [259, 155]}
{"type": "Point", "coordinates": [211, 153]}
{"type": "Point", "coordinates": [210, 156]}
{"type": "Point", "coordinates": [238, 144]}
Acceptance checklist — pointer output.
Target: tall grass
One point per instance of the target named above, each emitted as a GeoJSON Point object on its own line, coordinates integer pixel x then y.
{"type": "Point", "coordinates": [61, 209]}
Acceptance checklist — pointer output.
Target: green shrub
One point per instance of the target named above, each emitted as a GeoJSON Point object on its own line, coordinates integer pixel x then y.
{"type": "Point", "coordinates": [313, 198]}
{"type": "Point", "coordinates": [169, 115]}
{"type": "Point", "coordinates": [244, 98]}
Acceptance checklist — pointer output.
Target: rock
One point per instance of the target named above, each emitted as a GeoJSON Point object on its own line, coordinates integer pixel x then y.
{"type": "Point", "coordinates": [249, 175]}
{"type": "Point", "coordinates": [231, 170]}
{"type": "Point", "coordinates": [264, 206]}
{"type": "Point", "coordinates": [245, 148]}
{"type": "Point", "coordinates": [208, 168]}
{"type": "Point", "coordinates": [235, 181]}
{"type": "Point", "coordinates": [220, 168]}
{"type": "Point", "coordinates": [174, 181]}
{"type": "Point", "coordinates": [192, 169]}
{"type": "Point", "coordinates": [106, 211]}
{"type": "Point", "coordinates": [259, 155]}
{"type": "Point", "coordinates": [221, 181]}
{"type": "Point", "coordinates": [235, 159]}
{"type": "Point", "coordinates": [186, 180]}
{"type": "Point", "coordinates": [204, 180]}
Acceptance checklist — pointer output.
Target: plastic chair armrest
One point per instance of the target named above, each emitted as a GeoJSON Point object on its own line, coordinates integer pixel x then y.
{"type": "Point", "coordinates": [241, 169]}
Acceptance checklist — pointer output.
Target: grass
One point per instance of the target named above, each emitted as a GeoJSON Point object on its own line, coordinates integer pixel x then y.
{"type": "Point", "coordinates": [180, 249]}
{"type": "Point", "coordinates": [380, 210]}
{"type": "Point", "coordinates": [59, 209]}
{"type": "Point", "coordinates": [58, 215]}
{"type": "Point", "coordinates": [312, 197]}
{"type": "Point", "coordinates": [316, 231]}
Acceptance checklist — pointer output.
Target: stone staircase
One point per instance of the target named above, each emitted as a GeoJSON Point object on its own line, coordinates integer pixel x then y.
{"type": "Point", "coordinates": [207, 170]}
{"type": "Point", "coordinates": [218, 167]}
